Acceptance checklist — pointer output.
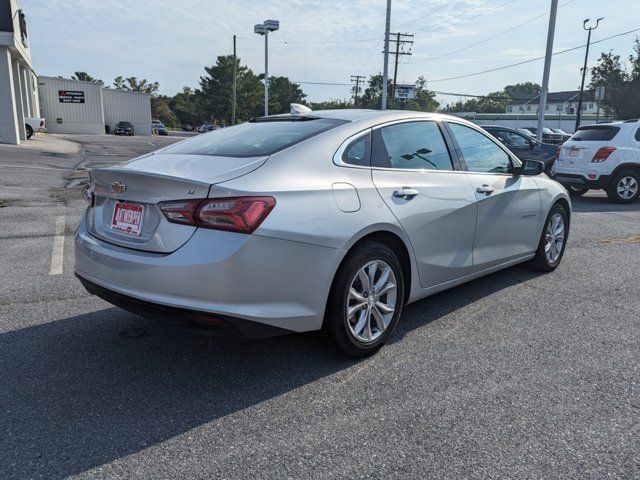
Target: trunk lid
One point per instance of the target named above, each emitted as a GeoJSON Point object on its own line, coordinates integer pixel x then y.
{"type": "Point", "coordinates": [580, 149]}
{"type": "Point", "coordinates": [142, 183]}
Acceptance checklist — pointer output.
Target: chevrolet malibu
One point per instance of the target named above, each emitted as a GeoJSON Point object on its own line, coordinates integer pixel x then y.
{"type": "Point", "coordinates": [314, 220]}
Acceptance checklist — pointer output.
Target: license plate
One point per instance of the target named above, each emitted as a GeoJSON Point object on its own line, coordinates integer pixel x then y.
{"type": "Point", "coordinates": [127, 218]}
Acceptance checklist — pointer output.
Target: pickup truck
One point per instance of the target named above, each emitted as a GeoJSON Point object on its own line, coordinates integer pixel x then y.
{"type": "Point", "coordinates": [34, 125]}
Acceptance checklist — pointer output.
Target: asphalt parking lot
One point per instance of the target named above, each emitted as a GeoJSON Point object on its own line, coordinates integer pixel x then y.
{"type": "Point", "coordinates": [516, 375]}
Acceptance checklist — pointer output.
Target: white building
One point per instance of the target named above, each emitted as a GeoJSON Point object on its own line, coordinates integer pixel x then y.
{"type": "Point", "coordinates": [18, 94]}
{"type": "Point", "coordinates": [558, 103]}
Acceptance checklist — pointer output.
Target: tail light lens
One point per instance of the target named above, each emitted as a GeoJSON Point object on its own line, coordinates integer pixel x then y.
{"type": "Point", "coordinates": [42, 123]}
{"type": "Point", "coordinates": [558, 150]}
{"type": "Point", "coordinates": [236, 214]}
{"type": "Point", "coordinates": [602, 154]}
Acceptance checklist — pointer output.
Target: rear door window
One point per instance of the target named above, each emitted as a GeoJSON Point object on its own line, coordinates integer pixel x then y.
{"type": "Point", "coordinates": [411, 145]}
{"type": "Point", "coordinates": [357, 152]}
{"type": "Point", "coordinates": [595, 133]}
{"type": "Point", "coordinates": [255, 139]}
{"type": "Point", "coordinates": [638, 135]}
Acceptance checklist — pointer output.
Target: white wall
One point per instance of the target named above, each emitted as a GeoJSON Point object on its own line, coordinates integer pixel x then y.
{"type": "Point", "coordinates": [71, 117]}
{"type": "Point", "coordinates": [126, 106]}
{"type": "Point", "coordinates": [8, 110]}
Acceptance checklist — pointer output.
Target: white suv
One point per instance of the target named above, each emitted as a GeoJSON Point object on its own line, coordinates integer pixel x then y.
{"type": "Point", "coordinates": [603, 156]}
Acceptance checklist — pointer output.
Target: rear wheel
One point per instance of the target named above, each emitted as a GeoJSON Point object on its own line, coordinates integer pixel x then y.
{"type": "Point", "coordinates": [366, 300]}
{"type": "Point", "coordinates": [576, 191]}
{"type": "Point", "coordinates": [552, 241]}
{"type": "Point", "coordinates": [29, 131]}
{"type": "Point", "coordinates": [625, 187]}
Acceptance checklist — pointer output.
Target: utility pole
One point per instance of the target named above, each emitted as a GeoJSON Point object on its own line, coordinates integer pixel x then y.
{"type": "Point", "coordinates": [385, 67]}
{"type": "Point", "coordinates": [547, 67]}
{"type": "Point", "coordinates": [356, 88]}
{"type": "Point", "coordinates": [234, 85]}
{"type": "Point", "coordinates": [584, 69]}
{"type": "Point", "coordinates": [400, 43]}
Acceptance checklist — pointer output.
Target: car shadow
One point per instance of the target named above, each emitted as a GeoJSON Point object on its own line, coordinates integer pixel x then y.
{"type": "Point", "coordinates": [599, 203]}
{"type": "Point", "coordinates": [89, 389]}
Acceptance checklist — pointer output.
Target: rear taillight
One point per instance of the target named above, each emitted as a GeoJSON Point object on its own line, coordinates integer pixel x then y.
{"type": "Point", "coordinates": [42, 123]}
{"type": "Point", "coordinates": [558, 150]}
{"type": "Point", "coordinates": [236, 214]}
{"type": "Point", "coordinates": [602, 154]}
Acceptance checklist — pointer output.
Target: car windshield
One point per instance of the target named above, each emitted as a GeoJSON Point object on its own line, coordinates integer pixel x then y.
{"type": "Point", "coordinates": [255, 139]}
{"type": "Point", "coordinates": [124, 124]}
{"type": "Point", "coordinates": [602, 133]}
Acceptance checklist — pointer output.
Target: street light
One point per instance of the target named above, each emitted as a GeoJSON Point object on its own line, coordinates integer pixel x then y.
{"type": "Point", "coordinates": [584, 69]}
{"type": "Point", "coordinates": [264, 29]}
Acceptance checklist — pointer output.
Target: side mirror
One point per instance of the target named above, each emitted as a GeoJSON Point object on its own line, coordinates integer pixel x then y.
{"type": "Point", "coordinates": [532, 143]}
{"type": "Point", "coordinates": [530, 167]}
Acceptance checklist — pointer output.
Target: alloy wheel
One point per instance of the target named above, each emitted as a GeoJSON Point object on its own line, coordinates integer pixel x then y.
{"type": "Point", "coordinates": [554, 238]}
{"type": "Point", "coordinates": [371, 301]}
{"type": "Point", "coordinates": [627, 187]}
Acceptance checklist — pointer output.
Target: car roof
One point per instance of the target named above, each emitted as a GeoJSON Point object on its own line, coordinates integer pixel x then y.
{"type": "Point", "coordinates": [356, 114]}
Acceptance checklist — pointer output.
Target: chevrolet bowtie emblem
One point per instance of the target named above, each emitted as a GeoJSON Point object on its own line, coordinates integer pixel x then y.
{"type": "Point", "coordinates": [118, 187]}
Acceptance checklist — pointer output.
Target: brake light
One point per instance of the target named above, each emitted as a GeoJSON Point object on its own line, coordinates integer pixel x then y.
{"type": "Point", "coordinates": [236, 214]}
{"type": "Point", "coordinates": [42, 123]}
{"type": "Point", "coordinates": [558, 150]}
{"type": "Point", "coordinates": [602, 154]}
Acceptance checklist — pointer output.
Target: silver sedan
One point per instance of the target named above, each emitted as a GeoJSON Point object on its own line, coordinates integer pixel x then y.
{"type": "Point", "coordinates": [325, 219]}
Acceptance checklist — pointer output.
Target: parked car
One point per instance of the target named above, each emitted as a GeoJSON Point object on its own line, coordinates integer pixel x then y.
{"type": "Point", "coordinates": [329, 219]}
{"type": "Point", "coordinates": [548, 135]}
{"type": "Point", "coordinates": [124, 128]}
{"type": "Point", "coordinates": [602, 156]}
{"type": "Point", "coordinates": [565, 136]}
{"type": "Point", "coordinates": [525, 147]}
{"type": "Point", "coordinates": [159, 128]}
{"type": "Point", "coordinates": [187, 127]}
{"type": "Point", "coordinates": [526, 132]}
{"type": "Point", "coordinates": [34, 125]}
{"type": "Point", "coordinates": [207, 127]}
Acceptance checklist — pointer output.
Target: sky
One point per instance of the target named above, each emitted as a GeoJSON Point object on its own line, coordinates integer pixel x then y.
{"type": "Point", "coordinates": [327, 41]}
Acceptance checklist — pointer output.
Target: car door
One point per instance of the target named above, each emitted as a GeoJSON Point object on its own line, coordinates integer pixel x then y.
{"type": "Point", "coordinates": [413, 170]}
{"type": "Point", "coordinates": [508, 205]}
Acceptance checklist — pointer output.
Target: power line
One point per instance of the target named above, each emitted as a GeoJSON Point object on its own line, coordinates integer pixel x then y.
{"type": "Point", "coordinates": [430, 13]}
{"type": "Point", "coordinates": [430, 28]}
{"type": "Point", "coordinates": [532, 59]}
{"type": "Point", "coordinates": [452, 52]}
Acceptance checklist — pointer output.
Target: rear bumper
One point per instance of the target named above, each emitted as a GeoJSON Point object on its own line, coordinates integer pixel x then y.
{"type": "Point", "coordinates": [582, 181]}
{"type": "Point", "coordinates": [222, 326]}
{"type": "Point", "coordinates": [265, 280]}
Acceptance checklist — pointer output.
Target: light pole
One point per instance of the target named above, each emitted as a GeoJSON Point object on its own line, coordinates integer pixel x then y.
{"type": "Point", "coordinates": [584, 69]}
{"type": "Point", "coordinates": [264, 29]}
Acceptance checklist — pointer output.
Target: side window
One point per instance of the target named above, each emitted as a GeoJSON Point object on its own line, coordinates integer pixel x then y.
{"type": "Point", "coordinates": [479, 152]}
{"type": "Point", "coordinates": [412, 145]}
{"type": "Point", "coordinates": [638, 135]}
{"type": "Point", "coordinates": [513, 139]}
{"type": "Point", "coordinates": [357, 152]}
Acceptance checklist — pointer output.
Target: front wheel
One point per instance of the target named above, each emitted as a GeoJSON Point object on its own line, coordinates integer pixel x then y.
{"type": "Point", "coordinates": [366, 300]}
{"type": "Point", "coordinates": [552, 241]}
{"type": "Point", "coordinates": [625, 187]}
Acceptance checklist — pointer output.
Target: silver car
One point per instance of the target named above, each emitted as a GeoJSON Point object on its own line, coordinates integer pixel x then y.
{"type": "Point", "coordinates": [328, 219]}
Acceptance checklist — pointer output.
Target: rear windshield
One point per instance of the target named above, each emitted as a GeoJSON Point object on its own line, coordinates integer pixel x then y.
{"type": "Point", "coordinates": [595, 133]}
{"type": "Point", "coordinates": [254, 139]}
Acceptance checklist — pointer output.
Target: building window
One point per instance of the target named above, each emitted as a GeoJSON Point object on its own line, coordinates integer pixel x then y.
{"type": "Point", "coordinates": [591, 106]}
{"type": "Point", "coordinates": [528, 108]}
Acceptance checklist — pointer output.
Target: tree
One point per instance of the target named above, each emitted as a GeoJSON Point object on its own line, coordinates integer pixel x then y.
{"type": "Point", "coordinates": [215, 98]}
{"type": "Point", "coordinates": [185, 107]}
{"type": "Point", "coordinates": [160, 109]}
{"type": "Point", "coordinates": [372, 95]}
{"type": "Point", "coordinates": [135, 85]}
{"type": "Point", "coordinates": [521, 91]}
{"type": "Point", "coordinates": [496, 102]}
{"type": "Point", "coordinates": [622, 89]}
{"type": "Point", "coordinates": [425, 100]}
{"type": "Point", "coordinates": [282, 93]}
{"type": "Point", "coordinates": [85, 77]}
{"type": "Point", "coordinates": [331, 105]}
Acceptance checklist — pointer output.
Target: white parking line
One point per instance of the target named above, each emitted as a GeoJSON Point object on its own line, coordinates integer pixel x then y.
{"type": "Point", "coordinates": [57, 254]}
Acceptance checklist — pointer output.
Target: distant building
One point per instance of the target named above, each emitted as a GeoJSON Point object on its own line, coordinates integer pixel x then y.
{"type": "Point", "coordinates": [558, 103]}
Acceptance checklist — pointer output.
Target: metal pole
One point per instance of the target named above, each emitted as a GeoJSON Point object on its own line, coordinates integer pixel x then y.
{"type": "Point", "coordinates": [584, 74]}
{"type": "Point", "coordinates": [395, 71]}
{"type": "Point", "coordinates": [598, 112]}
{"type": "Point", "coordinates": [234, 85]}
{"type": "Point", "coordinates": [266, 73]}
{"type": "Point", "coordinates": [385, 67]}
{"type": "Point", "coordinates": [547, 68]}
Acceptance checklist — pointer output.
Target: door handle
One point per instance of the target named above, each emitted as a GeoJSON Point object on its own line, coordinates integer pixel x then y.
{"type": "Point", "coordinates": [486, 189]}
{"type": "Point", "coordinates": [405, 192]}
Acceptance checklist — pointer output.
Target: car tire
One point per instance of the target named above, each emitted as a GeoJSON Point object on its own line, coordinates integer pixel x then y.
{"type": "Point", "coordinates": [29, 131]}
{"type": "Point", "coordinates": [367, 328]}
{"type": "Point", "coordinates": [576, 191]}
{"type": "Point", "coordinates": [625, 186]}
{"type": "Point", "coordinates": [547, 259]}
